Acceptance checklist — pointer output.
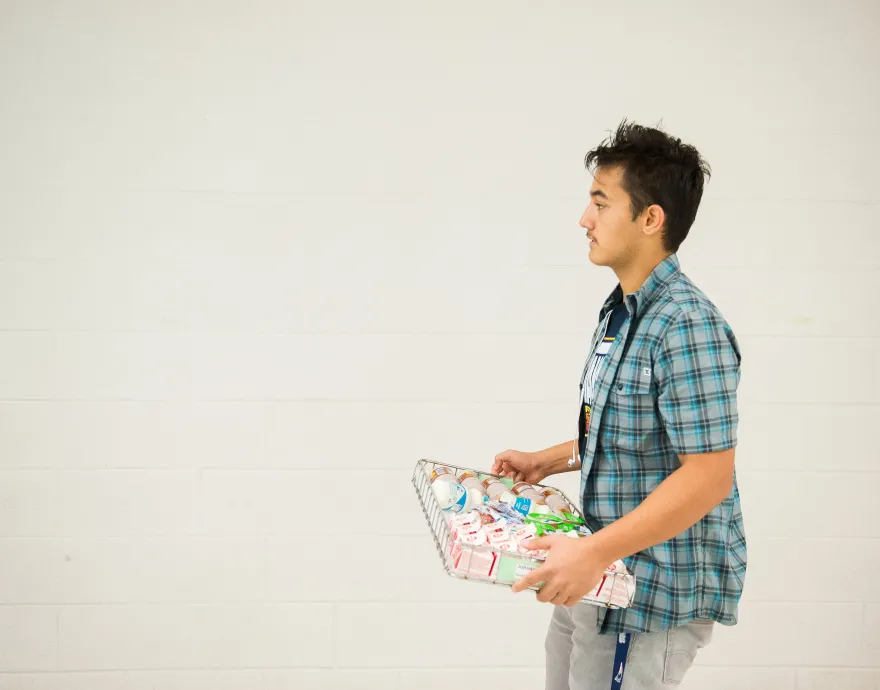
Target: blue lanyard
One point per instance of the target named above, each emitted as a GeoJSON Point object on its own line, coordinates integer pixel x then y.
{"type": "Point", "coordinates": [623, 640]}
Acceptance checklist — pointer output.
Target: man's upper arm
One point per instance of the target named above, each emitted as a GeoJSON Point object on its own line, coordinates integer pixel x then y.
{"type": "Point", "coordinates": [697, 370]}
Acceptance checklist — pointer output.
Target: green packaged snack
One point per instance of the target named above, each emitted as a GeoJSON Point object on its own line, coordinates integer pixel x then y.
{"type": "Point", "coordinates": [550, 524]}
{"type": "Point", "coordinates": [555, 519]}
{"type": "Point", "coordinates": [542, 529]}
{"type": "Point", "coordinates": [571, 517]}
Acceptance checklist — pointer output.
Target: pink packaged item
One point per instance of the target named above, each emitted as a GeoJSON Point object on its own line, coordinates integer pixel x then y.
{"type": "Point", "coordinates": [472, 562]}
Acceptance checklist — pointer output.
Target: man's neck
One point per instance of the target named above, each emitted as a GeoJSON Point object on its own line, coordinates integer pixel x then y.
{"type": "Point", "coordinates": [633, 275]}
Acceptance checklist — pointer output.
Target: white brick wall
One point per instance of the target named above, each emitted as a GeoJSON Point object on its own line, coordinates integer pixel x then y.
{"type": "Point", "coordinates": [247, 248]}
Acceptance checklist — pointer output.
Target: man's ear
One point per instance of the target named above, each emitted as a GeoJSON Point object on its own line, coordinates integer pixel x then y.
{"type": "Point", "coordinates": [653, 219]}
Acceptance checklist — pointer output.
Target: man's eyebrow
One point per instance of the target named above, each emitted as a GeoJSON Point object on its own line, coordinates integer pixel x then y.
{"type": "Point", "coordinates": [600, 193]}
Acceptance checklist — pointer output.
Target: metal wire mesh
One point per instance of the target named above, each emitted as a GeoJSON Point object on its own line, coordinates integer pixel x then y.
{"type": "Point", "coordinates": [459, 559]}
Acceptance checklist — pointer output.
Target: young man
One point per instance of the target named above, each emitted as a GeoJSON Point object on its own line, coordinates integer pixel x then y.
{"type": "Point", "coordinates": [656, 437]}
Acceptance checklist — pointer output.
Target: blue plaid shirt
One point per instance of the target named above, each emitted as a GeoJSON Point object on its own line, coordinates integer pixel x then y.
{"type": "Point", "coordinates": [667, 388]}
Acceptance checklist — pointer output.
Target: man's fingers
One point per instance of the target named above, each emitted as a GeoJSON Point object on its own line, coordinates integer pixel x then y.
{"type": "Point", "coordinates": [547, 593]}
{"type": "Point", "coordinates": [519, 477]}
{"type": "Point", "coordinates": [530, 579]}
{"type": "Point", "coordinates": [559, 599]}
{"type": "Point", "coordinates": [500, 461]}
{"type": "Point", "coordinates": [540, 543]}
{"type": "Point", "coordinates": [572, 601]}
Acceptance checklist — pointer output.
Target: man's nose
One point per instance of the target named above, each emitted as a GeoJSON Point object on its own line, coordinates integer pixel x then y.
{"type": "Point", "coordinates": [587, 219]}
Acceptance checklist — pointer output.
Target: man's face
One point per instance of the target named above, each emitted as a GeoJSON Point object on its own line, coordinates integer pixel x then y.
{"type": "Point", "coordinates": [615, 238]}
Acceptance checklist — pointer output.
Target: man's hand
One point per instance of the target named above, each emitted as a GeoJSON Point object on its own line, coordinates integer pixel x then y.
{"type": "Point", "coordinates": [520, 466]}
{"type": "Point", "coordinates": [572, 569]}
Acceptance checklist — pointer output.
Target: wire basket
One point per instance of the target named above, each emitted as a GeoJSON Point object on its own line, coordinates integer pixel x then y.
{"type": "Point", "coordinates": [483, 563]}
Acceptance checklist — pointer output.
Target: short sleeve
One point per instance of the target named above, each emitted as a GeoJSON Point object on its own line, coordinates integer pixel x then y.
{"type": "Point", "coordinates": [697, 370]}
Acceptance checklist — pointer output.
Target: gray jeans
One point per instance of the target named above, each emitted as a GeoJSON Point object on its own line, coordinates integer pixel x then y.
{"type": "Point", "coordinates": [579, 658]}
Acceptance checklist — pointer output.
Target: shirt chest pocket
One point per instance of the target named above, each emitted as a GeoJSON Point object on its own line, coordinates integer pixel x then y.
{"type": "Point", "coordinates": [631, 411]}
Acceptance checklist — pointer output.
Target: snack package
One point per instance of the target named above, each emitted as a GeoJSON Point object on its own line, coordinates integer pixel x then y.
{"type": "Point", "coordinates": [471, 562]}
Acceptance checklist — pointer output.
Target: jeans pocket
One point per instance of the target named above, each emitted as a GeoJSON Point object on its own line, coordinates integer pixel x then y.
{"type": "Point", "coordinates": [682, 644]}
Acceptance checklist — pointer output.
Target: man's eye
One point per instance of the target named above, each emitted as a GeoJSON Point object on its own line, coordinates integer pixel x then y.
{"type": "Point", "coordinates": [600, 206]}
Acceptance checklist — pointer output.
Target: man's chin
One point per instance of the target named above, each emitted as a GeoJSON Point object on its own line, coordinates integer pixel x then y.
{"type": "Point", "coordinates": [596, 257]}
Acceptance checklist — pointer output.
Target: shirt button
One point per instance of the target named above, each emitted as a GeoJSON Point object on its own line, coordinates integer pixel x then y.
{"type": "Point", "coordinates": [620, 386]}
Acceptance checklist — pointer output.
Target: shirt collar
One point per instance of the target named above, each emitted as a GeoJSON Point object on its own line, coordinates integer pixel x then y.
{"type": "Point", "coordinates": [663, 272]}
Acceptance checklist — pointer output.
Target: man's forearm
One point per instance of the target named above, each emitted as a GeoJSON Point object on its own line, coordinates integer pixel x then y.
{"type": "Point", "coordinates": [681, 500]}
{"type": "Point", "coordinates": [555, 459]}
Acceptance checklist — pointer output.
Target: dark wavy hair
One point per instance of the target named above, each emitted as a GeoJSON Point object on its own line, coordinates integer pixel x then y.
{"type": "Point", "coordinates": [657, 169]}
